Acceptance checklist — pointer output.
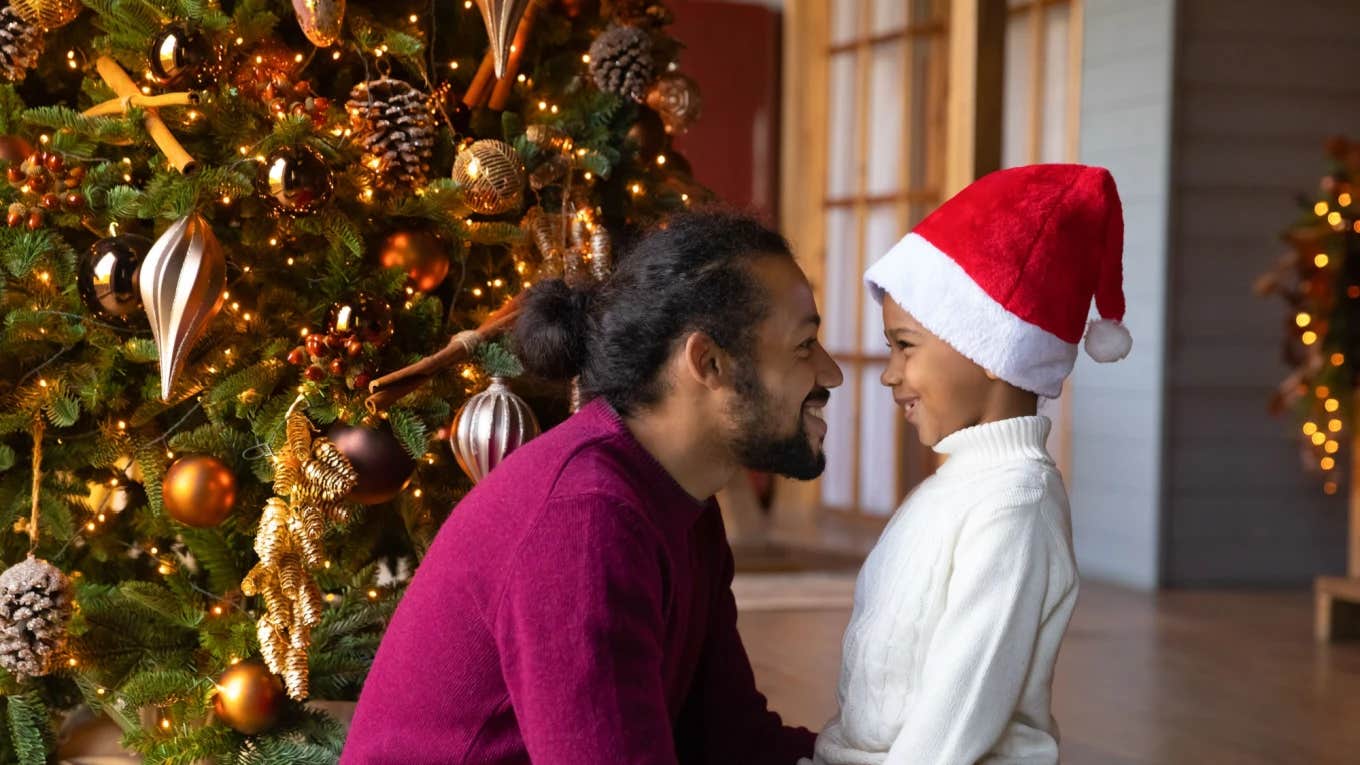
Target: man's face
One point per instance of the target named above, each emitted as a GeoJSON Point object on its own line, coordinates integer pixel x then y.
{"type": "Point", "coordinates": [774, 418]}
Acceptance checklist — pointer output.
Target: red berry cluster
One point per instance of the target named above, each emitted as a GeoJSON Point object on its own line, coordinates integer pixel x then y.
{"type": "Point", "coordinates": [297, 99]}
{"type": "Point", "coordinates": [335, 355]}
{"type": "Point", "coordinates": [46, 184]}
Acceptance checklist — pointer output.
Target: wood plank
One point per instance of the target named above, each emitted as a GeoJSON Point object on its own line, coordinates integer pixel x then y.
{"type": "Point", "coordinates": [977, 42]}
{"type": "Point", "coordinates": [1037, 66]}
{"type": "Point", "coordinates": [803, 171]}
{"type": "Point", "coordinates": [1162, 702]}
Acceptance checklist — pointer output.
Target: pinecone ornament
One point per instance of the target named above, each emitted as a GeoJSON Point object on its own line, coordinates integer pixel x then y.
{"type": "Point", "coordinates": [394, 123]}
{"type": "Point", "coordinates": [621, 61]}
{"type": "Point", "coordinates": [35, 606]}
{"type": "Point", "coordinates": [21, 44]}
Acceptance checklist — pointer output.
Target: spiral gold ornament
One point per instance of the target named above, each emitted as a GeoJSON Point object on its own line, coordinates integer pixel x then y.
{"type": "Point", "coordinates": [47, 14]}
{"type": "Point", "coordinates": [491, 175]}
{"type": "Point", "coordinates": [502, 19]}
{"type": "Point", "coordinates": [676, 98]}
{"type": "Point", "coordinates": [322, 21]}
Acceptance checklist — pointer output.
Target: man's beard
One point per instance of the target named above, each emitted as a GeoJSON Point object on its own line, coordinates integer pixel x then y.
{"type": "Point", "coordinates": [758, 443]}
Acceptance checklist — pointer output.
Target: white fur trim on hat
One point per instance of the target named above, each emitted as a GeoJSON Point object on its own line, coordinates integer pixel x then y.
{"type": "Point", "coordinates": [935, 290]}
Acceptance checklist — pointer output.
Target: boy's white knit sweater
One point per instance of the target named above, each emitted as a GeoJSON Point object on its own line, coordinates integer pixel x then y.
{"type": "Point", "coordinates": [959, 611]}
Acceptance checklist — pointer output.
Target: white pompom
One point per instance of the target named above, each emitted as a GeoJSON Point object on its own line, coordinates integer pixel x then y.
{"type": "Point", "coordinates": [1108, 340]}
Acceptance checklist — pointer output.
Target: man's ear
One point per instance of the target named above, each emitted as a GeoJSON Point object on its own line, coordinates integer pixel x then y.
{"type": "Point", "coordinates": [705, 362]}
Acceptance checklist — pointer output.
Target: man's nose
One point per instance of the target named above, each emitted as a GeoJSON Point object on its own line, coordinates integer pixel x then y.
{"type": "Point", "coordinates": [829, 374]}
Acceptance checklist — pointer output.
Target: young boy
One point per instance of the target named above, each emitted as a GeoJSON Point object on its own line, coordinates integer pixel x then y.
{"type": "Point", "coordinates": [961, 607]}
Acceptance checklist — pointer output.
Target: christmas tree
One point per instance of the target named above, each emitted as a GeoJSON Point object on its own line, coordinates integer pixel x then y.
{"type": "Point", "coordinates": [1319, 281]}
{"type": "Point", "coordinates": [240, 237]}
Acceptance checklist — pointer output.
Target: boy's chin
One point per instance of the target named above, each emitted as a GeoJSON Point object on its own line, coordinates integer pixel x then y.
{"type": "Point", "coordinates": [927, 436]}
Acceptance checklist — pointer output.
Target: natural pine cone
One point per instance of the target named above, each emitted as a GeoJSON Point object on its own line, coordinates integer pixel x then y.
{"type": "Point", "coordinates": [394, 123]}
{"type": "Point", "coordinates": [21, 44]}
{"type": "Point", "coordinates": [621, 61]}
{"type": "Point", "coordinates": [35, 606]}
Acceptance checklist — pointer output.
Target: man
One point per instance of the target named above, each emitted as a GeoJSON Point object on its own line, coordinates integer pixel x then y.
{"type": "Point", "coordinates": [576, 608]}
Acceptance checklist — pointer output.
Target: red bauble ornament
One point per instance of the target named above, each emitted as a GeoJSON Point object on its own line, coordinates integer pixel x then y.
{"type": "Point", "coordinates": [420, 254]}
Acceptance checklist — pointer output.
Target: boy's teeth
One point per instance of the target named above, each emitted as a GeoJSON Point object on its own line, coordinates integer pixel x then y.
{"type": "Point", "coordinates": [815, 411]}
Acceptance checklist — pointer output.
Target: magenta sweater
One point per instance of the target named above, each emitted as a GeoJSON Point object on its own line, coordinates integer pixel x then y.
{"type": "Point", "coordinates": [576, 608]}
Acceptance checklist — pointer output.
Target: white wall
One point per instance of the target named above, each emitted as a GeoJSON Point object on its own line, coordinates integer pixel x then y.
{"type": "Point", "coordinates": [1117, 409]}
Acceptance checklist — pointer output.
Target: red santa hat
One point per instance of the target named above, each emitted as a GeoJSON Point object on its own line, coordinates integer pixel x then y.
{"type": "Point", "coordinates": [1005, 272]}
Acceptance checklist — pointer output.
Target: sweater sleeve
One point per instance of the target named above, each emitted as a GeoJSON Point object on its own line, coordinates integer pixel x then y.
{"type": "Point", "coordinates": [579, 628]}
{"type": "Point", "coordinates": [725, 716]}
{"type": "Point", "coordinates": [978, 658]}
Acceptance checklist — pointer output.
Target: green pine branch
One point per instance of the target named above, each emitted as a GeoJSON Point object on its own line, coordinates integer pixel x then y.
{"type": "Point", "coordinates": [28, 725]}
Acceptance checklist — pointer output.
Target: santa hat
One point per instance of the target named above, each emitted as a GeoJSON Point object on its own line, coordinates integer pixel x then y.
{"type": "Point", "coordinates": [1004, 272]}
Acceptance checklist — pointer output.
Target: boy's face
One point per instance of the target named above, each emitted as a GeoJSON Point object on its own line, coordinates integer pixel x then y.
{"type": "Point", "coordinates": [939, 389]}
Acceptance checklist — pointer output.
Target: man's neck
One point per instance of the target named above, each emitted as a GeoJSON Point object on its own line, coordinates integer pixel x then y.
{"type": "Point", "coordinates": [682, 442]}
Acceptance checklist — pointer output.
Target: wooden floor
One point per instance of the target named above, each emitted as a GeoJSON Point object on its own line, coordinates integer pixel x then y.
{"type": "Point", "coordinates": [1177, 678]}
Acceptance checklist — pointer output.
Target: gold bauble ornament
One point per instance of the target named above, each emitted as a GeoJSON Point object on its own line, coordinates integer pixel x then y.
{"type": "Point", "coordinates": [492, 176]}
{"type": "Point", "coordinates": [420, 254]}
{"type": "Point", "coordinates": [676, 98]}
{"type": "Point", "coordinates": [490, 426]}
{"type": "Point", "coordinates": [47, 14]}
{"type": "Point", "coordinates": [182, 280]}
{"type": "Point", "coordinates": [198, 490]}
{"type": "Point", "coordinates": [249, 698]}
{"type": "Point", "coordinates": [321, 20]}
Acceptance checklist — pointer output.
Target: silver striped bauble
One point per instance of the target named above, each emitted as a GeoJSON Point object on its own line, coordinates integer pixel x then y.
{"type": "Point", "coordinates": [490, 425]}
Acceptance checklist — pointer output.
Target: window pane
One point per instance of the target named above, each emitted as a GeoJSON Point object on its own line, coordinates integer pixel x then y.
{"type": "Point", "coordinates": [1017, 100]}
{"type": "Point", "coordinates": [837, 482]}
{"type": "Point", "coordinates": [889, 15]}
{"type": "Point", "coordinates": [878, 448]}
{"type": "Point", "coordinates": [882, 231]}
{"type": "Point", "coordinates": [887, 67]}
{"type": "Point", "coordinates": [843, 135]}
{"type": "Point", "coordinates": [842, 280]}
{"type": "Point", "coordinates": [844, 20]}
{"type": "Point", "coordinates": [1053, 142]}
